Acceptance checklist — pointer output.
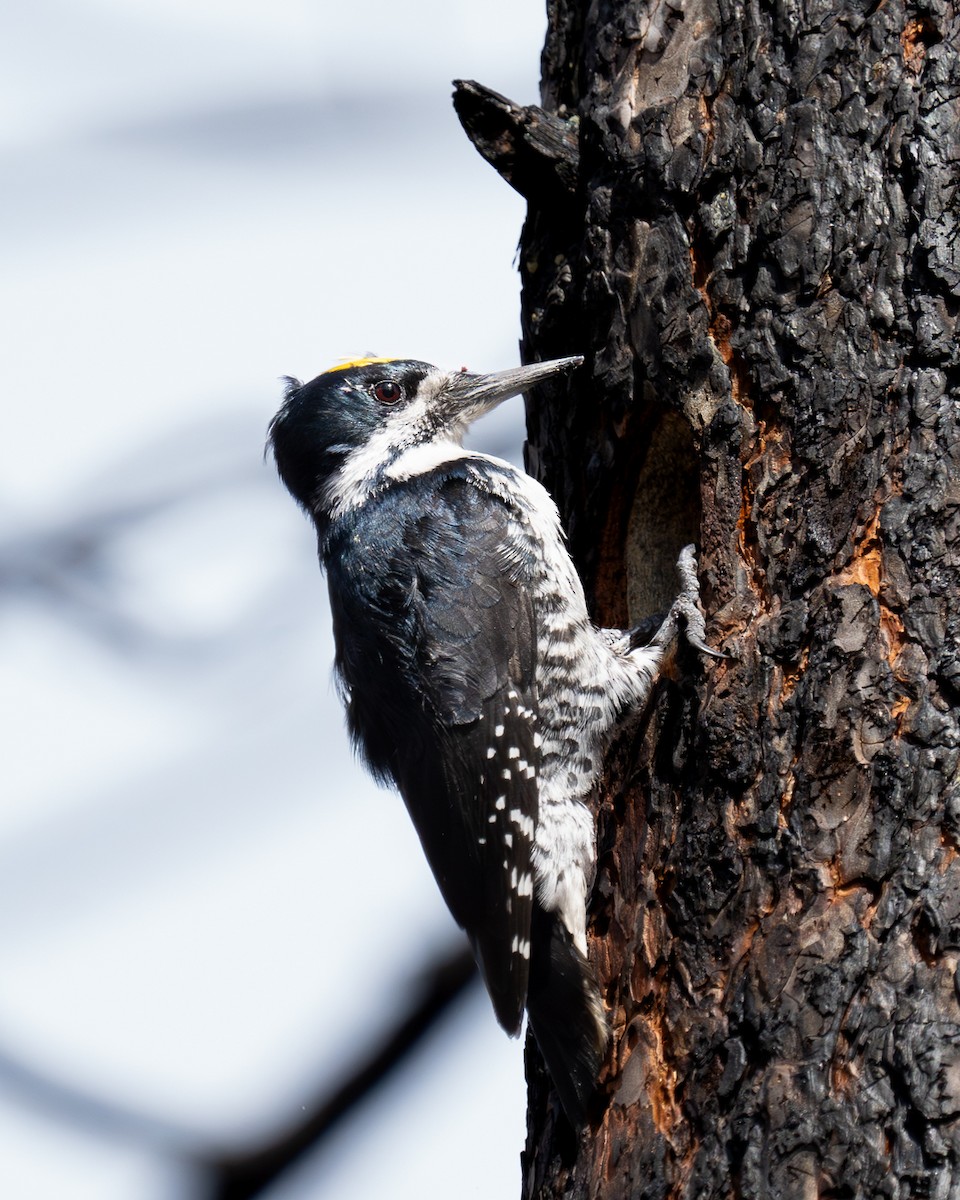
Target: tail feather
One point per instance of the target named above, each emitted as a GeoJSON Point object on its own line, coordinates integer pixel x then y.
{"type": "Point", "coordinates": [566, 1014]}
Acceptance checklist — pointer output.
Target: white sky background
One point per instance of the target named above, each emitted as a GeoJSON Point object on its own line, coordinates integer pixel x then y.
{"type": "Point", "coordinates": [205, 906]}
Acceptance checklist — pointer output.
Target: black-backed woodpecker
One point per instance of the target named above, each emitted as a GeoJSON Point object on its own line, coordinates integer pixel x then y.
{"type": "Point", "coordinates": [472, 675]}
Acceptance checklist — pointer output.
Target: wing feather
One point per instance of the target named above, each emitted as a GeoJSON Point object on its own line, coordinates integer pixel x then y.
{"type": "Point", "coordinates": [436, 640]}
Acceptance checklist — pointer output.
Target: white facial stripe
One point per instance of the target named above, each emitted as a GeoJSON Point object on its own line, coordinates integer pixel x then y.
{"type": "Point", "coordinates": [408, 442]}
{"type": "Point", "coordinates": [352, 483]}
{"type": "Point", "coordinates": [402, 428]}
{"type": "Point", "coordinates": [425, 457]}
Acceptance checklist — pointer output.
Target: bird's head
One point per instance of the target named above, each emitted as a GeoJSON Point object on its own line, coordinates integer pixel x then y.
{"type": "Point", "coordinates": [335, 438]}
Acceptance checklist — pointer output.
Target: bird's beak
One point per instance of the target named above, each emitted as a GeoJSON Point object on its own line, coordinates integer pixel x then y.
{"type": "Point", "coordinates": [473, 395]}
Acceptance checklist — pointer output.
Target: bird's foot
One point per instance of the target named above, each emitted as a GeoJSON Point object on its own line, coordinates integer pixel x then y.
{"type": "Point", "coordinates": [686, 610]}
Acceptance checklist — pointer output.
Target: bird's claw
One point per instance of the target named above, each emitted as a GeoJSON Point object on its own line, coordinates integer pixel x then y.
{"type": "Point", "coordinates": [686, 608]}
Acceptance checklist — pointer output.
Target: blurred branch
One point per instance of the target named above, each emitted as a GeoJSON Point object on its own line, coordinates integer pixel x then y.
{"type": "Point", "coordinates": [246, 1174]}
{"type": "Point", "coordinates": [242, 1176]}
{"type": "Point", "coordinates": [69, 560]}
{"type": "Point", "coordinates": [76, 1105]}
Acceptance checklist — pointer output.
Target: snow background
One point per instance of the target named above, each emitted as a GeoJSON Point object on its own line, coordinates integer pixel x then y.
{"type": "Point", "coordinates": [207, 911]}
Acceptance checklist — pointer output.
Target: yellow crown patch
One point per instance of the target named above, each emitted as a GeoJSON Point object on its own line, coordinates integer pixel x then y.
{"type": "Point", "coordinates": [357, 362]}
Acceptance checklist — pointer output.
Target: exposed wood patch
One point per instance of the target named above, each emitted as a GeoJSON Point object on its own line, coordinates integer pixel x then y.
{"type": "Point", "coordinates": [866, 569]}
{"type": "Point", "coordinates": [918, 34]}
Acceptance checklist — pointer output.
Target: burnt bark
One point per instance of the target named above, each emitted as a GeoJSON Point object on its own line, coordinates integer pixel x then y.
{"type": "Point", "coordinates": [744, 215]}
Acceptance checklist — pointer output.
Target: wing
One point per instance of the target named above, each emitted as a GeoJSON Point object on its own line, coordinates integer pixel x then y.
{"type": "Point", "coordinates": [436, 642]}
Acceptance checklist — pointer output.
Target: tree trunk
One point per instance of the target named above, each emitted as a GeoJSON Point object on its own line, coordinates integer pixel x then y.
{"type": "Point", "coordinates": [744, 214]}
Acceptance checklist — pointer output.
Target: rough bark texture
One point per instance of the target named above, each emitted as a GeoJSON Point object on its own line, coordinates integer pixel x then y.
{"type": "Point", "coordinates": [745, 216]}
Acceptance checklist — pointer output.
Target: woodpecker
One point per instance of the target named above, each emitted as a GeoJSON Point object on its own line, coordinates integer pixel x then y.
{"type": "Point", "coordinates": [473, 678]}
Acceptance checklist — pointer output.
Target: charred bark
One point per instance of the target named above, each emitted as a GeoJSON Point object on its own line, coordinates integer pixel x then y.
{"type": "Point", "coordinates": [745, 215]}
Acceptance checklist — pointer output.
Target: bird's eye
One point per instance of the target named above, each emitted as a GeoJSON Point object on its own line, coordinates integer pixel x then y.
{"type": "Point", "coordinates": [387, 392]}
